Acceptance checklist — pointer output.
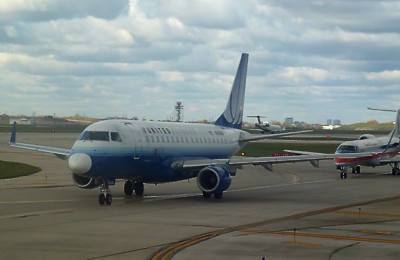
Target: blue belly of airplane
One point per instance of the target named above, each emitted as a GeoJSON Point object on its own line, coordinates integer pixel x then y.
{"type": "Point", "coordinates": [148, 167]}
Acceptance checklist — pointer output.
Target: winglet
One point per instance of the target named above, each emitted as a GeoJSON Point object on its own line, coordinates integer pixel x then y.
{"type": "Point", "coordinates": [233, 114]}
{"type": "Point", "coordinates": [13, 138]}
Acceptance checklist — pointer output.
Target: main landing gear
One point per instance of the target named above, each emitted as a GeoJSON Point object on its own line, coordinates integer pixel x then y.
{"type": "Point", "coordinates": [105, 196]}
{"type": "Point", "coordinates": [131, 186]}
{"type": "Point", "coordinates": [356, 169]}
{"type": "Point", "coordinates": [395, 169]}
{"type": "Point", "coordinates": [343, 171]}
{"type": "Point", "coordinates": [217, 195]}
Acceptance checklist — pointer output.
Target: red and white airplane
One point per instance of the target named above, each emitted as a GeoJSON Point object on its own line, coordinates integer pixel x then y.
{"type": "Point", "coordinates": [368, 150]}
{"type": "Point", "coordinates": [371, 151]}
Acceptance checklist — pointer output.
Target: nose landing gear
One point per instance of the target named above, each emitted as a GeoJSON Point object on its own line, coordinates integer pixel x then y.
{"type": "Point", "coordinates": [105, 196]}
{"type": "Point", "coordinates": [343, 172]}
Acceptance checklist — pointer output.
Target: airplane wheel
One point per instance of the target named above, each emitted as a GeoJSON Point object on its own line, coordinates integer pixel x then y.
{"type": "Point", "coordinates": [139, 188]}
{"type": "Point", "coordinates": [108, 199]}
{"type": "Point", "coordinates": [358, 169]}
{"type": "Point", "coordinates": [206, 195]}
{"type": "Point", "coordinates": [218, 195]}
{"type": "Point", "coordinates": [343, 175]}
{"type": "Point", "coordinates": [128, 188]}
{"type": "Point", "coordinates": [102, 199]}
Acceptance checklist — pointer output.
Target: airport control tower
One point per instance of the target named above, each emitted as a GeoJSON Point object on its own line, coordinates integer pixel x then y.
{"type": "Point", "coordinates": [179, 111]}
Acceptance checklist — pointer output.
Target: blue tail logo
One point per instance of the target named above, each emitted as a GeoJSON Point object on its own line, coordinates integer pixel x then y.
{"type": "Point", "coordinates": [233, 114]}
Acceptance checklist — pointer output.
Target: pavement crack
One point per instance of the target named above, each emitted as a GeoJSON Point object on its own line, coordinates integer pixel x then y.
{"type": "Point", "coordinates": [337, 250]}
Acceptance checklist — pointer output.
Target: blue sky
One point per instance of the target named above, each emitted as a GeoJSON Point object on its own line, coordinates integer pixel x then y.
{"type": "Point", "coordinates": [311, 60]}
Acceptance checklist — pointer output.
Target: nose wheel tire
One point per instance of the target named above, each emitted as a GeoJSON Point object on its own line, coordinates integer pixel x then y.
{"type": "Point", "coordinates": [105, 197]}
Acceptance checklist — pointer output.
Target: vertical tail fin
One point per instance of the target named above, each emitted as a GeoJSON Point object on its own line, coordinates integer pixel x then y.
{"type": "Point", "coordinates": [13, 138]}
{"type": "Point", "coordinates": [233, 114]}
{"type": "Point", "coordinates": [397, 125]}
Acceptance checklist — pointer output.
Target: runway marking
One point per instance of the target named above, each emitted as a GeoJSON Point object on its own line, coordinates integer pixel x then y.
{"type": "Point", "coordinates": [173, 248]}
{"type": "Point", "coordinates": [291, 233]}
{"type": "Point", "coordinates": [379, 232]}
{"type": "Point", "coordinates": [296, 179]}
{"type": "Point", "coordinates": [279, 185]}
{"type": "Point", "coordinates": [189, 195]}
{"type": "Point", "coordinates": [302, 243]}
{"type": "Point", "coordinates": [362, 213]}
{"type": "Point", "coordinates": [37, 213]}
{"type": "Point", "coordinates": [34, 201]}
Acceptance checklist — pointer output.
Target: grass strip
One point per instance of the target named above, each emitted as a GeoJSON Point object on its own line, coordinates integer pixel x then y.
{"type": "Point", "coordinates": [13, 170]}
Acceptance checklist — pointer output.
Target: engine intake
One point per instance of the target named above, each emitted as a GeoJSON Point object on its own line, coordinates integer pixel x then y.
{"type": "Point", "coordinates": [85, 182]}
{"type": "Point", "coordinates": [213, 179]}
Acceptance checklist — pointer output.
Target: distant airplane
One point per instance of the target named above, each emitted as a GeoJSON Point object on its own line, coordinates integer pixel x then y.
{"type": "Point", "coordinates": [266, 126]}
{"type": "Point", "coordinates": [368, 150]}
{"type": "Point", "coordinates": [158, 152]}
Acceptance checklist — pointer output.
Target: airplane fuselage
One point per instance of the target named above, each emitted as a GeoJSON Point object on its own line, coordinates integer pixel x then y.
{"type": "Point", "coordinates": [378, 146]}
{"type": "Point", "coordinates": [269, 128]}
{"type": "Point", "coordinates": [144, 151]}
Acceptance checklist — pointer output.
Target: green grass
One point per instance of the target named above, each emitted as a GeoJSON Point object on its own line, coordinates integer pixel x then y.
{"type": "Point", "coordinates": [14, 170]}
{"type": "Point", "coordinates": [266, 149]}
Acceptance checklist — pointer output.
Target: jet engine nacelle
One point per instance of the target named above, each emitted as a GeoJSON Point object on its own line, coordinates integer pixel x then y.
{"type": "Point", "coordinates": [85, 182]}
{"type": "Point", "coordinates": [213, 179]}
{"type": "Point", "coordinates": [366, 136]}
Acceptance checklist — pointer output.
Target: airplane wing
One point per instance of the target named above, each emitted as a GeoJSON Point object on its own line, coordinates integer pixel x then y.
{"type": "Point", "coordinates": [336, 155]}
{"type": "Point", "coordinates": [238, 161]}
{"type": "Point", "coordinates": [59, 152]}
{"type": "Point", "coordinates": [261, 137]}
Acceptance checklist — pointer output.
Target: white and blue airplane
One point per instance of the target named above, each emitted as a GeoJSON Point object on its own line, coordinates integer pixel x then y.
{"type": "Point", "coordinates": [159, 152]}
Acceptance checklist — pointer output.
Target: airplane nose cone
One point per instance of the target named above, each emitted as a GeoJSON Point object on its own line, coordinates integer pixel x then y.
{"type": "Point", "coordinates": [80, 163]}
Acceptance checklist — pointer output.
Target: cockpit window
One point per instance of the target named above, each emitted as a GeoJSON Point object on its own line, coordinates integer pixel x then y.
{"type": "Point", "coordinates": [347, 149]}
{"type": "Point", "coordinates": [94, 136]}
{"type": "Point", "coordinates": [115, 137]}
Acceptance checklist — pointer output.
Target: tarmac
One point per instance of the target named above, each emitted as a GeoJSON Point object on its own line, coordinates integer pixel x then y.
{"type": "Point", "coordinates": [295, 212]}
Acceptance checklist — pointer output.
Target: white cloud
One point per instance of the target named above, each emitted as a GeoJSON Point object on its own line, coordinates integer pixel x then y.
{"type": "Point", "coordinates": [155, 52]}
{"type": "Point", "coordinates": [393, 75]}
{"type": "Point", "coordinates": [170, 76]}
